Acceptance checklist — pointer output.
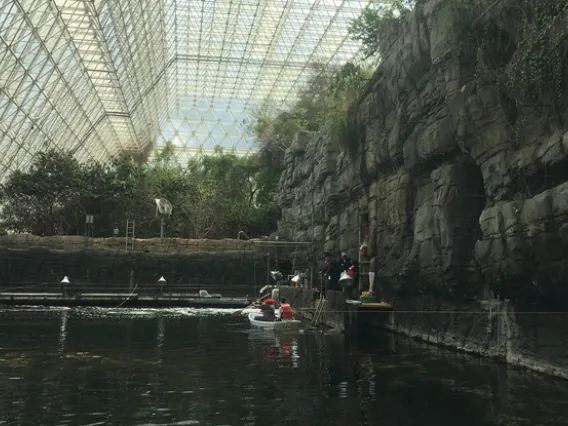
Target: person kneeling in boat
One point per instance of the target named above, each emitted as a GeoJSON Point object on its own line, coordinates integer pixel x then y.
{"type": "Point", "coordinates": [268, 312]}
{"type": "Point", "coordinates": [284, 311]}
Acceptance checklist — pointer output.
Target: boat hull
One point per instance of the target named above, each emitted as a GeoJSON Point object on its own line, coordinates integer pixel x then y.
{"type": "Point", "coordinates": [271, 325]}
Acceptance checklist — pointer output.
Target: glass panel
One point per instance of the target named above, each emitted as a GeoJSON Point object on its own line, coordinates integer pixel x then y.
{"type": "Point", "coordinates": [100, 76]}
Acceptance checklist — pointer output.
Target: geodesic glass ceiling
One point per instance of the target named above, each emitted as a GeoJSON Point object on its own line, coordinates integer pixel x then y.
{"type": "Point", "coordinates": [101, 76]}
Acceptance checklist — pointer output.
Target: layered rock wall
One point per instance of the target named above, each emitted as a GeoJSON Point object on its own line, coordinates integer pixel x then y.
{"type": "Point", "coordinates": [461, 188]}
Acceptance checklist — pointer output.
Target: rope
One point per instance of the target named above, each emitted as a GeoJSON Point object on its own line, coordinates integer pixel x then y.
{"type": "Point", "coordinates": [128, 297]}
{"type": "Point", "coordinates": [339, 311]}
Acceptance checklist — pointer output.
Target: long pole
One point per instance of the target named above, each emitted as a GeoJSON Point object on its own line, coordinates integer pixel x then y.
{"type": "Point", "coordinates": [312, 250]}
{"type": "Point", "coordinates": [361, 283]}
{"type": "Point", "coordinates": [268, 269]}
{"type": "Point", "coordinates": [254, 270]}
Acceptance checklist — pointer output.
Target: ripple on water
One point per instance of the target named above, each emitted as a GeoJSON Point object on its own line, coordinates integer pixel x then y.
{"type": "Point", "coordinates": [34, 308]}
{"type": "Point", "coordinates": [180, 423]}
{"type": "Point", "coordinates": [149, 312]}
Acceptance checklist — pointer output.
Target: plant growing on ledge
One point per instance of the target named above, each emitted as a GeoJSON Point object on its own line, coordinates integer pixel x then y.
{"type": "Point", "coordinates": [326, 98]}
{"type": "Point", "coordinates": [522, 45]}
{"type": "Point", "coordinates": [380, 23]}
{"type": "Point", "coordinates": [538, 68]}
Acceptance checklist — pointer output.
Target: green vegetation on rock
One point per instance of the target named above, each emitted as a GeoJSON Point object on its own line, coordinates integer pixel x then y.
{"type": "Point", "coordinates": [327, 98]}
{"type": "Point", "coordinates": [379, 25]}
{"type": "Point", "coordinates": [330, 92]}
{"type": "Point", "coordinates": [215, 196]}
{"type": "Point", "coordinates": [520, 45]}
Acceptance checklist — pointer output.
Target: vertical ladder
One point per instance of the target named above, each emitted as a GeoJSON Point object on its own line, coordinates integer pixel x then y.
{"type": "Point", "coordinates": [318, 312]}
{"type": "Point", "coordinates": [320, 305]}
{"type": "Point", "coordinates": [129, 235]}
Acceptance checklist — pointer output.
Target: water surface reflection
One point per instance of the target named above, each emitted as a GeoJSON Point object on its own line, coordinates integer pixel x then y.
{"type": "Point", "coordinates": [179, 367]}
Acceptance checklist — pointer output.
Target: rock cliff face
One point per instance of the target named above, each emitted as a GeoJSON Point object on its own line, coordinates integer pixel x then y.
{"type": "Point", "coordinates": [463, 193]}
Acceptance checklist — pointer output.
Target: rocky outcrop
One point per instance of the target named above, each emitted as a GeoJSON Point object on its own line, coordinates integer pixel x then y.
{"type": "Point", "coordinates": [462, 190]}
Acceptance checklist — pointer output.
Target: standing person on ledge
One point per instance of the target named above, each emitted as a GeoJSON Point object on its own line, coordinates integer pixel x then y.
{"type": "Point", "coordinates": [331, 270]}
{"type": "Point", "coordinates": [346, 262]}
{"type": "Point", "coordinates": [351, 267]}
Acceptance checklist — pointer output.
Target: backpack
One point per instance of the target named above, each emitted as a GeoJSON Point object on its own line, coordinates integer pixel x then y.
{"type": "Point", "coordinates": [351, 271]}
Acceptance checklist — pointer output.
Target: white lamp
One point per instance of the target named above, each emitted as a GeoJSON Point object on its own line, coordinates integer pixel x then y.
{"type": "Point", "coordinates": [276, 275]}
{"type": "Point", "coordinates": [65, 281]}
{"type": "Point", "coordinates": [162, 282]}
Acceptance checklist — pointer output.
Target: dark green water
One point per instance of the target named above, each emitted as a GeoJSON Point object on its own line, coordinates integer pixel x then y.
{"type": "Point", "coordinates": [100, 367]}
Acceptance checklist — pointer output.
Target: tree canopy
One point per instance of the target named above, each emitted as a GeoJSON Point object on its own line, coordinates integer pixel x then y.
{"type": "Point", "coordinates": [215, 196]}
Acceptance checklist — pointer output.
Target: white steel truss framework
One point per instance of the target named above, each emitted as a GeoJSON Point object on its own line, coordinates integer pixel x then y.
{"type": "Point", "coordinates": [103, 76]}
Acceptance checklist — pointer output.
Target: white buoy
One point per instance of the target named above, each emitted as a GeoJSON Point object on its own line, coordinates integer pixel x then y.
{"type": "Point", "coordinates": [65, 280]}
{"type": "Point", "coordinates": [162, 279]}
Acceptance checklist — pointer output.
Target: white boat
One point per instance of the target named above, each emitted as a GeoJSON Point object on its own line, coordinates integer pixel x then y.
{"type": "Point", "coordinates": [271, 325]}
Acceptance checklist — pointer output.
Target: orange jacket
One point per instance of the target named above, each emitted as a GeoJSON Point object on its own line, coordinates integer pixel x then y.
{"type": "Point", "coordinates": [286, 311]}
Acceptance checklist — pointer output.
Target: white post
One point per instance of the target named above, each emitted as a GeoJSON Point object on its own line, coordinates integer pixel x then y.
{"type": "Point", "coordinates": [65, 281]}
{"type": "Point", "coordinates": [162, 282]}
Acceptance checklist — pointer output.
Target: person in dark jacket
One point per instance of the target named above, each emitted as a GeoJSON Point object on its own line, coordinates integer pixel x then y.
{"type": "Point", "coordinates": [332, 270]}
{"type": "Point", "coordinates": [351, 266]}
{"type": "Point", "coordinates": [268, 311]}
{"type": "Point", "coordinates": [346, 262]}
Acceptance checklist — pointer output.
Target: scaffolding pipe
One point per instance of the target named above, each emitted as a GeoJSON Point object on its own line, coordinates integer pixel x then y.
{"type": "Point", "coordinates": [268, 269]}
